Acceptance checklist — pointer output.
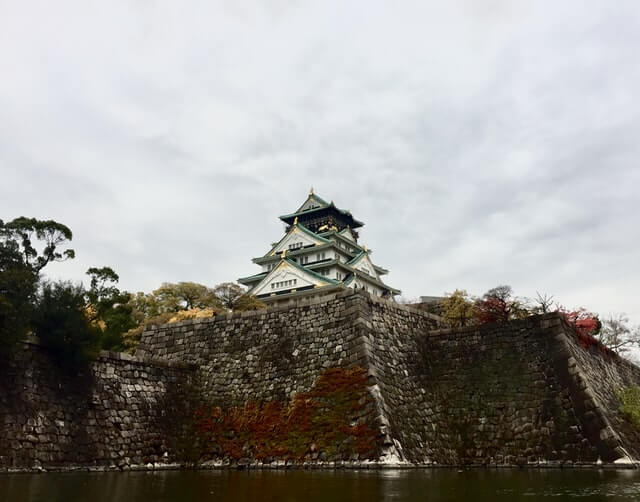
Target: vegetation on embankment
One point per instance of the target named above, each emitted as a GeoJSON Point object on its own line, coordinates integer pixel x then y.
{"type": "Point", "coordinates": [73, 321]}
{"type": "Point", "coordinates": [334, 420]}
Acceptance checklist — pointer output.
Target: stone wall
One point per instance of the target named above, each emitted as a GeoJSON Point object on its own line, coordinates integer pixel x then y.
{"type": "Point", "coordinates": [105, 417]}
{"type": "Point", "coordinates": [505, 394]}
{"type": "Point", "coordinates": [272, 353]}
{"type": "Point", "coordinates": [524, 392]}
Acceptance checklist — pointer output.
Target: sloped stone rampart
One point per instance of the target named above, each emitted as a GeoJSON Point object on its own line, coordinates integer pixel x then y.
{"type": "Point", "coordinates": [528, 392]}
{"type": "Point", "coordinates": [524, 392]}
{"type": "Point", "coordinates": [595, 377]}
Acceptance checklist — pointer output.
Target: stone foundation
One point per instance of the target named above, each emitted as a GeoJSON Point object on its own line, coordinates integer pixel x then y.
{"type": "Point", "coordinates": [106, 417]}
{"type": "Point", "coordinates": [522, 393]}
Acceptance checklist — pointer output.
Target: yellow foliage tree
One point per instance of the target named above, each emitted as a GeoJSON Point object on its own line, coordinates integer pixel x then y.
{"type": "Point", "coordinates": [458, 309]}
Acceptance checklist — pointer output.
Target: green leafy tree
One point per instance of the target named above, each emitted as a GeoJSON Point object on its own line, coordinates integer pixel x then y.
{"type": "Point", "coordinates": [51, 234]}
{"type": "Point", "coordinates": [61, 323]}
{"type": "Point", "coordinates": [20, 266]}
{"type": "Point", "coordinates": [144, 306]}
{"type": "Point", "coordinates": [109, 308]}
{"type": "Point", "coordinates": [458, 309]}
{"type": "Point", "coordinates": [17, 291]}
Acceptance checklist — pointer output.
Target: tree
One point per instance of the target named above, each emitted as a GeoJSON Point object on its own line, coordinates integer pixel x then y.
{"type": "Point", "coordinates": [458, 309]}
{"type": "Point", "coordinates": [617, 335]}
{"type": "Point", "coordinates": [17, 290]}
{"type": "Point", "coordinates": [168, 302]}
{"type": "Point", "coordinates": [60, 322]}
{"type": "Point", "coordinates": [185, 296]}
{"type": "Point", "coordinates": [108, 307]}
{"type": "Point", "coordinates": [20, 265]}
{"type": "Point", "coordinates": [144, 306]}
{"type": "Point", "coordinates": [499, 305]}
{"type": "Point", "coordinates": [52, 234]}
{"type": "Point", "coordinates": [235, 298]}
{"type": "Point", "coordinates": [543, 304]}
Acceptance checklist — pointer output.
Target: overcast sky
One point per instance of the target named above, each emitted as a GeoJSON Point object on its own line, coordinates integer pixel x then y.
{"type": "Point", "coordinates": [481, 142]}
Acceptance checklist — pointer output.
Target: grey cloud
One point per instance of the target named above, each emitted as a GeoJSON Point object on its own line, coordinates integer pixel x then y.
{"type": "Point", "coordinates": [480, 143]}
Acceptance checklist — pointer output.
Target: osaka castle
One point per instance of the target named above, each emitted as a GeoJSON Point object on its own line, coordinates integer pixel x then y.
{"type": "Point", "coordinates": [318, 252]}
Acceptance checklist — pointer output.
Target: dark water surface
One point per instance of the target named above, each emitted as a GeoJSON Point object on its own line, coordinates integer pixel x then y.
{"type": "Point", "coordinates": [310, 486]}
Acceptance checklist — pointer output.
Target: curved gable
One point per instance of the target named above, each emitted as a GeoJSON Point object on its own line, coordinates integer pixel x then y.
{"type": "Point", "coordinates": [287, 276]}
{"type": "Point", "coordinates": [297, 237]}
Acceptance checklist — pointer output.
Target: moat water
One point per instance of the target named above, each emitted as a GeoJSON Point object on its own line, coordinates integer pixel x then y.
{"type": "Point", "coordinates": [434, 485]}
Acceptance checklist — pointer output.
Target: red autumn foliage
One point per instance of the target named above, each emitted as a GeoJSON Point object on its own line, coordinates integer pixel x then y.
{"type": "Point", "coordinates": [583, 321]}
{"type": "Point", "coordinates": [491, 310]}
{"type": "Point", "coordinates": [586, 326]}
{"type": "Point", "coordinates": [498, 305]}
{"type": "Point", "coordinates": [335, 417]}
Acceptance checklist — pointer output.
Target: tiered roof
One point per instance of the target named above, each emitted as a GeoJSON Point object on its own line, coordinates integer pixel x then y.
{"type": "Point", "coordinates": [299, 261]}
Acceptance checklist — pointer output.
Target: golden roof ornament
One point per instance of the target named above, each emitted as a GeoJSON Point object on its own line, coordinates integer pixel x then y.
{"type": "Point", "coordinates": [311, 191]}
{"type": "Point", "coordinates": [365, 248]}
{"type": "Point", "coordinates": [295, 220]}
{"type": "Point", "coordinates": [284, 253]}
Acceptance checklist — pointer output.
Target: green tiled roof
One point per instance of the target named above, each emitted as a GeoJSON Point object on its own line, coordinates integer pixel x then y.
{"type": "Point", "coordinates": [252, 278]}
{"type": "Point", "coordinates": [300, 251]}
{"type": "Point", "coordinates": [356, 257]}
{"type": "Point", "coordinates": [352, 271]}
{"type": "Point", "coordinates": [301, 227]}
{"type": "Point", "coordinates": [315, 197]}
{"type": "Point", "coordinates": [286, 217]}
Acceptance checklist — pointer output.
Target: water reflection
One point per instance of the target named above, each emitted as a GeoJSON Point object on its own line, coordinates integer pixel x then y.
{"type": "Point", "coordinates": [435, 485]}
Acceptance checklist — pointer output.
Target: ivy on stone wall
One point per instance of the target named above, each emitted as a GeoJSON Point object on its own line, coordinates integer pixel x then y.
{"type": "Point", "coordinates": [333, 421]}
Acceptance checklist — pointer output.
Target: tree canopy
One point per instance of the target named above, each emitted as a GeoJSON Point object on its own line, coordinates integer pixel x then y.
{"type": "Point", "coordinates": [458, 309]}
{"type": "Point", "coordinates": [20, 266]}
{"type": "Point", "coordinates": [18, 284]}
{"type": "Point", "coordinates": [108, 307]}
{"type": "Point", "coordinates": [20, 233]}
{"type": "Point", "coordinates": [499, 305]}
{"type": "Point", "coordinates": [59, 320]}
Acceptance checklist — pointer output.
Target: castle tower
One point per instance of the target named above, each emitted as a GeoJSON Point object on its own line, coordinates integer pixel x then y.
{"type": "Point", "coordinates": [319, 250]}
